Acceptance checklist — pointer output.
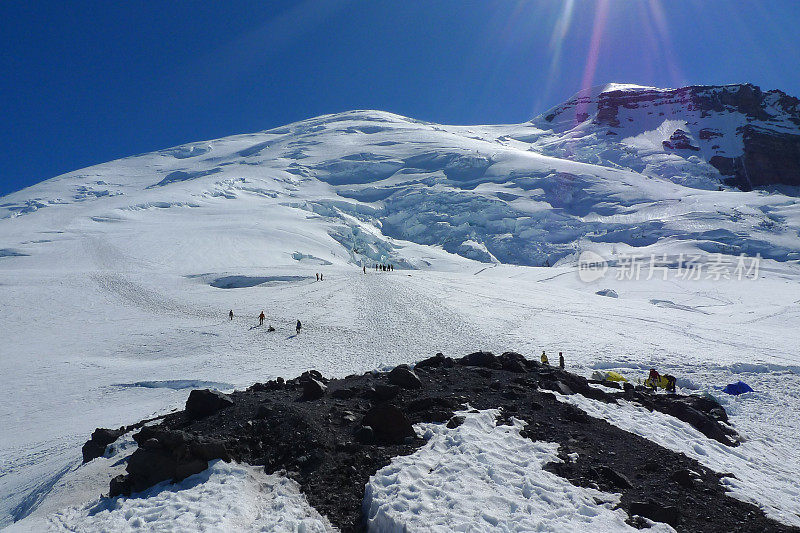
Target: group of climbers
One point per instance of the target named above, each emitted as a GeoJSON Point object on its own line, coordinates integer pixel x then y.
{"type": "Point", "coordinates": [262, 317]}
{"type": "Point", "coordinates": [382, 268]}
{"type": "Point", "coordinates": [655, 380]}
{"type": "Point", "coordinates": [546, 361]}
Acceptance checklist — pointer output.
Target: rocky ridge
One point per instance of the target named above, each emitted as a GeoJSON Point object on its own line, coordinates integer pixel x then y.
{"type": "Point", "coordinates": [331, 435]}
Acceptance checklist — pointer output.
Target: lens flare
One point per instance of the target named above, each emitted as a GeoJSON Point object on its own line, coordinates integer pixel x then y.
{"type": "Point", "coordinates": [659, 20]}
{"type": "Point", "coordinates": [598, 28]}
{"type": "Point", "coordinates": [556, 44]}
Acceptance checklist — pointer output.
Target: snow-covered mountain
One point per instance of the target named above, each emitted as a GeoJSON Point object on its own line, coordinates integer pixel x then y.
{"type": "Point", "coordinates": [612, 168]}
{"type": "Point", "coordinates": [750, 137]}
{"type": "Point", "coordinates": [117, 279]}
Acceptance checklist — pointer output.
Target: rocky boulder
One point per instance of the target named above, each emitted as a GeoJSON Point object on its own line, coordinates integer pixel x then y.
{"type": "Point", "coordinates": [704, 422]}
{"type": "Point", "coordinates": [656, 512]}
{"type": "Point", "coordinates": [389, 424]}
{"type": "Point", "coordinates": [205, 402]}
{"type": "Point", "coordinates": [313, 390]}
{"type": "Point", "coordinates": [96, 446]}
{"type": "Point", "coordinates": [481, 359]}
{"type": "Point", "coordinates": [403, 376]}
{"type": "Point", "coordinates": [166, 455]}
{"type": "Point", "coordinates": [610, 478]}
{"type": "Point", "coordinates": [312, 374]}
{"type": "Point", "coordinates": [383, 393]}
{"type": "Point", "coordinates": [344, 393]}
{"type": "Point", "coordinates": [438, 360]}
{"type": "Point", "coordinates": [513, 362]}
{"type": "Point", "coordinates": [364, 435]}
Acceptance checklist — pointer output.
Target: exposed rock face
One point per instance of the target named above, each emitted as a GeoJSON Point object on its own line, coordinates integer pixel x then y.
{"type": "Point", "coordinates": [701, 413]}
{"type": "Point", "coordinates": [611, 293]}
{"type": "Point", "coordinates": [770, 158]}
{"type": "Point", "coordinates": [679, 140]}
{"type": "Point", "coordinates": [436, 361]}
{"type": "Point", "coordinates": [513, 362]}
{"type": "Point", "coordinates": [764, 127]}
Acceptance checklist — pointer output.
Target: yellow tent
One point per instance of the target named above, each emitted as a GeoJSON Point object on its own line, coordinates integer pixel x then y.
{"type": "Point", "coordinates": [600, 375]}
{"type": "Point", "coordinates": [614, 376]}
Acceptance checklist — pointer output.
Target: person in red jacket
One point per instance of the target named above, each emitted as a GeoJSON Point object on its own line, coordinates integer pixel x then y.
{"type": "Point", "coordinates": [261, 318]}
{"type": "Point", "coordinates": [653, 379]}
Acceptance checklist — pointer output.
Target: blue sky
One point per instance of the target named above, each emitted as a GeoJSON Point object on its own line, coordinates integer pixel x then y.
{"type": "Point", "coordinates": [87, 82]}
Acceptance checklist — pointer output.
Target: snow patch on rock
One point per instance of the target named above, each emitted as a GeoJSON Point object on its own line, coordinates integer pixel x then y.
{"type": "Point", "coordinates": [482, 476]}
{"type": "Point", "coordinates": [223, 498]}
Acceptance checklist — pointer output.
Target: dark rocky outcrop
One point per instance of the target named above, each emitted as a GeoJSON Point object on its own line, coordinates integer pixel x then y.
{"type": "Point", "coordinates": [656, 512]}
{"type": "Point", "coordinates": [165, 455]}
{"type": "Point", "coordinates": [384, 393]}
{"type": "Point", "coordinates": [679, 140]}
{"type": "Point", "coordinates": [313, 389]}
{"type": "Point", "coordinates": [481, 359]}
{"type": "Point", "coordinates": [404, 377]}
{"type": "Point", "coordinates": [435, 362]}
{"type": "Point", "coordinates": [770, 158]}
{"type": "Point", "coordinates": [685, 478]}
{"type": "Point", "coordinates": [389, 423]}
{"type": "Point", "coordinates": [708, 417]}
{"type": "Point", "coordinates": [608, 476]}
{"type": "Point", "coordinates": [205, 402]}
{"type": "Point", "coordinates": [332, 445]}
{"type": "Point", "coordinates": [365, 435]}
{"type": "Point", "coordinates": [96, 446]}
{"type": "Point", "coordinates": [102, 437]}
{"type": "Point", "coordinates": [513, 362]}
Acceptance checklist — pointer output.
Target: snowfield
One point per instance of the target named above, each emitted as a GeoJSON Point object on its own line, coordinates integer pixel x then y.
{"type": "Point", "coordinates": [484, 477]}
{"type": "Point", "coordinates": [116, 282]}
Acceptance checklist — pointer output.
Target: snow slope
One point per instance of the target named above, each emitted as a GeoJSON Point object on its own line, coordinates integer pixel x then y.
{"type": "Point", "coordinates": [484, 477]}
{"type": "Point", "coordinates": [226, 497]}
{"type": "Point", "coordinates": [116, 280]}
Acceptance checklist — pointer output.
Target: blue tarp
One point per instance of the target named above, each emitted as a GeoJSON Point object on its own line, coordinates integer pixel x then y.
{"type": "Point", "coordinates": [740, 387]}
